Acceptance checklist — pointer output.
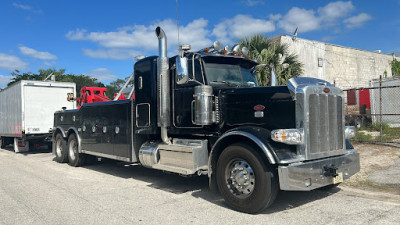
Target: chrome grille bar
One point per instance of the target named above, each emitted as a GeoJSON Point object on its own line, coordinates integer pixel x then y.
{"type": "Point", "coordinates": [325, 124]}
{"type": "Point", "coordinates": [333, 122]}
{"type": "Point", "coordinates": [340, 123]}
{"type": "Point", "coordinates": [320, 112]}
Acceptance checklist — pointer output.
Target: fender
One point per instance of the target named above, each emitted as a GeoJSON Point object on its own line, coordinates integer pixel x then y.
{"type": "Point", "coordinates": [59, 130]}
{"type": "Point", "coordinates": [66, 134]}
{"type": "Point", "coordinates": [259, 136]}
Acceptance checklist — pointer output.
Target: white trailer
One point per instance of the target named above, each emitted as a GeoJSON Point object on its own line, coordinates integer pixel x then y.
{"type": "Point", "coordinates": [27, 111]}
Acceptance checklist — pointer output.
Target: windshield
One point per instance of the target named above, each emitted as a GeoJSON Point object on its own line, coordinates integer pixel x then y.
{"type": "Point", "coordinates": [229, 75]}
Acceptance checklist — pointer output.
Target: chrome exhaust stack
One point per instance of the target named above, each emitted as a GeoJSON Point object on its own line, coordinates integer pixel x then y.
{"type": "Point", "coordinates": [182, 156]}
{"type": "Point", "coordinates": [163, 89]}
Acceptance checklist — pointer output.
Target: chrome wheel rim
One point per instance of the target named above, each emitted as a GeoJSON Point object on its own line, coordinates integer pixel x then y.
{"type": "Point", "coordinates": [72, 149]}
{"type": "Point", "coordinates": [240, 178]}
{"type": "Point", "coordinates": [58, 147]}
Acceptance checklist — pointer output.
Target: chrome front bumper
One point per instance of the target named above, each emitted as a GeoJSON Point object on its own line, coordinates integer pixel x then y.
{"type": "Point", "coordinates": [307, 176]}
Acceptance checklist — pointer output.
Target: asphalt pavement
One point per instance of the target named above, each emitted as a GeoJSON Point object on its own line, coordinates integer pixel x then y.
{"type": "Point", "coordinates": [34, 189]}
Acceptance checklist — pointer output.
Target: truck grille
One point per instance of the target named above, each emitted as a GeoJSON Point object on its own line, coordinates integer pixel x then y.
{"type": "Point", "coordinates": [325, 114]}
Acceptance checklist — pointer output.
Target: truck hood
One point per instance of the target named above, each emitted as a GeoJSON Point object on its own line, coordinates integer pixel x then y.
{"type": "Point", "coordinates": [269, 107]}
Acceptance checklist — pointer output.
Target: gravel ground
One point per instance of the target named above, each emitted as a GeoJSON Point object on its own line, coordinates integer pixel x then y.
{"type": "Point", "coordinates": [379, 164]}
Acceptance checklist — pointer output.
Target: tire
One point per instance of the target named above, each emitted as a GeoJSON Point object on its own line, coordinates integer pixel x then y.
{"type": "Point", "coordinates": [60, 149]}
{"type": "Point", "coordinates": [2, 143]}
{"type": "Point", "coordinates": [245, 181]}
{"type": "Point", "coordinates": [74, 157]}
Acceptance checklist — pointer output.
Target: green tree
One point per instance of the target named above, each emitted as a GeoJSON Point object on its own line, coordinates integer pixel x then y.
{"type": "Point", "coordinates": [114, 87]}
{"type": "Point", "coordinates": [117, 85]}
{"type": "Point", "coordinates": [80, 80]}
{"type": "Point", "coordinates": [395, 67]}
{"type": "Point", "coordinates": [274, 55]}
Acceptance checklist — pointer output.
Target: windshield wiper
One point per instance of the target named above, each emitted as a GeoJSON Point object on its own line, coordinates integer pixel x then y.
{"type": "Point", "coordinates": [225, 82]}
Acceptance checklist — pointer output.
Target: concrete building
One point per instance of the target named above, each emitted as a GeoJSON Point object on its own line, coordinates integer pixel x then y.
{"type": "Point", "coordinates": [346, 67]}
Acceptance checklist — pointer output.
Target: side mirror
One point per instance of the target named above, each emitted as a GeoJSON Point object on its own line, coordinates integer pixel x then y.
{"type": "Point", "coordinates": [182, 71]}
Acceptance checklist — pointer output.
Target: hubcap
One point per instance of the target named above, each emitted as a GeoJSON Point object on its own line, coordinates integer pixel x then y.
{"type": "Point", "coordinates": [58, 147]}
{"type": "Point", "coordinates": [72, 149]}
{"type": "Point", "coordinates": [240, 178]}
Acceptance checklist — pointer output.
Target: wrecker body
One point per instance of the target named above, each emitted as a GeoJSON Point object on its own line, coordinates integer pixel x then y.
{"type": "Point", "coordinates": [202, 113]}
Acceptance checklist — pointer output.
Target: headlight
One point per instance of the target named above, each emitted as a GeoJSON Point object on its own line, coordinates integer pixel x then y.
{"type": "Point", "coordinates": [288, 136]}
{"type": "Point", "coordinates": [349, 132]}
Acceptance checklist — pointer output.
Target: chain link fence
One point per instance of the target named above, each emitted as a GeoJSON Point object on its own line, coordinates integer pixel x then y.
{"type": "Point", "coordinates": [375, 111]}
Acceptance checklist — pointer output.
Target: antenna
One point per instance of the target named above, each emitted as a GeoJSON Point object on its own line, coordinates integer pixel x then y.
{"type": "Point", "coordinates": [52, 78]}
{"type": "Point", "coordinates": [294, 36]}
{"type": "Point", "coordinates": [177, 23]}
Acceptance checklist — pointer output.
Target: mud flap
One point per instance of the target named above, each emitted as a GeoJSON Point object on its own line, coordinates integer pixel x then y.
{"type": "Point", "coordinates": [20, 145]}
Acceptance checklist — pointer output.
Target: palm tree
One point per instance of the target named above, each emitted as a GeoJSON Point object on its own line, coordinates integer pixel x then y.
{"type": "Point", "coordinates": [272, 55]}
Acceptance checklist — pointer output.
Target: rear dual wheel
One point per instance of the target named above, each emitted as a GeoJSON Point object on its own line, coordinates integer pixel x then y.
{"type": "Point", "coordinates": [60, 150]}
{"type": "Point", "coordinates": [74, 157]}
{"type": "Point", "coordinates": [245, 181]}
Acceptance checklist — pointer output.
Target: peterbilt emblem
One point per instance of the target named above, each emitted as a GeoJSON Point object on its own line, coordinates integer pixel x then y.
{"type": "Point", "coordinates": [327, 90]}
{"type": "Point", "coordinates": [259, 108]}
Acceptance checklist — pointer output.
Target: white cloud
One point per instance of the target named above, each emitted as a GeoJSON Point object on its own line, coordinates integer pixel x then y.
{"type": "Point", "coordinates": [305, 20]}
{"type": "Point", "coordinates": [143, 38]}
{"type": "Point", "coordinates": [49, 63]}
{"type": "Point", "coordinates": [253, 2]}
{"type": "Point", "coordinates": [241, 26]}
{"type": "Point", "coordinates": [102, 74]}
{"type": "Point", "coordinates": [335, 10]}
{"type": "Point", "coordinates": [357, 21]}
{"type": "Point", "coordinates": [26, 7]}
{"type": "Point", "coordinates": [36, 54]}
{"type": "Point", "coordinates": [275, 17]}
{"type": "Point", "coordinates": [113, 53]}
{"type": "Point", "coordinates": [10, 62]}
{"type": "Point", "coordinates": [328, 16]}
{"type": "Point", "coordinates": [4, 80]}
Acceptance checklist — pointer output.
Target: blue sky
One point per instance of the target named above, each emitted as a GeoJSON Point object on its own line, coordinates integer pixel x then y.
{"type": "Point", "coordinates": [101, 38]}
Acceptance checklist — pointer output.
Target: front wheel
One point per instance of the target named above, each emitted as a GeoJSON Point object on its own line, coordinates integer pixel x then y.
{"type": "Point", "coordinates": [74, 157]}
{"type": "Point", "coordinates": [245, 181]}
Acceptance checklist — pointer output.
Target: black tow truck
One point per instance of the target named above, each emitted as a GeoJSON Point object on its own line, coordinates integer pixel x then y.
{"type": "Point", "coordinates": [203, 113]}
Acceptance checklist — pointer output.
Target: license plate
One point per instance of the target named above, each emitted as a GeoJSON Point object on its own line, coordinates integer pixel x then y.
{"type": "Point", "coordinates": [338, 178]}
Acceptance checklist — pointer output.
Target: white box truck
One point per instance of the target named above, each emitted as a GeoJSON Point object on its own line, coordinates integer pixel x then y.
{"type": "Point", "coordinates": [27, 111]}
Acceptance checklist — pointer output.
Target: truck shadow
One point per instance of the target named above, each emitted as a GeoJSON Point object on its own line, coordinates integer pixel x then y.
{"type": "Point", "coordinates": [198, 185]}
{"type": "Point", "coordinates": [30, 152]}
{"type": "Point", "coordinates": [287, 200]}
